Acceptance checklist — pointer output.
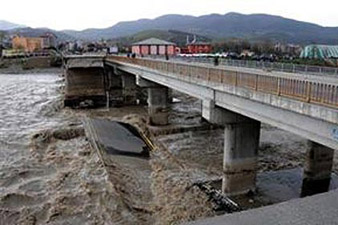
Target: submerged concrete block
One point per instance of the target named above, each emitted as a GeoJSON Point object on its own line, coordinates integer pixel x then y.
{"type": "Point", "coordinates": [116, 138]}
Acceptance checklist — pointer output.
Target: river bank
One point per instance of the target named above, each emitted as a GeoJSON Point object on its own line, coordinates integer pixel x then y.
{"type": "Point", "coordinates": [29, 65]}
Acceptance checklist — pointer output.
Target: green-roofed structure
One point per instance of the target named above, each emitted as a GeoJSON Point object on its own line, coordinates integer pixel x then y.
{"type": "Point", "coordinates": [320, 52]}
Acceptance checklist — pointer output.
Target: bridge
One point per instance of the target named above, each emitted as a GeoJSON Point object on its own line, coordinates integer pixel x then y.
{"type": "Point", "coordinates": [238, 98]}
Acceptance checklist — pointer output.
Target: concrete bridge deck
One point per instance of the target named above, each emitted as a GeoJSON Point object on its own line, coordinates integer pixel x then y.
{"type": "Point", "coordinates": [304, 104]}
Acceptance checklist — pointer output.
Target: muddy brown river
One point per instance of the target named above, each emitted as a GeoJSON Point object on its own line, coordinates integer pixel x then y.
{"type": "Point", "coordinates": [50, 174]}
{"type": "Point", "coordinates": [46, 166]}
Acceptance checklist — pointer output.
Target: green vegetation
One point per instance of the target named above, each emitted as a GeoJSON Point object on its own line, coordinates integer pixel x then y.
{"type": "Point", "coordinates": [238, 45]}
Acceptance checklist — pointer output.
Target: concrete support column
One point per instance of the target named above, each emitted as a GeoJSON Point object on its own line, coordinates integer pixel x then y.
{"type": "Point", "coordinates": [317, 169]}
{"type": "Point", "coordinates": [129, 89]}
{"type": "Point", "coordinates": [241, 142]}
{"type": "Point", "coordinates": [170, 96]}
{"type": "Point", "coordinates": [158, 105]}
{"type": "Point", "coordinates": [114, 87]}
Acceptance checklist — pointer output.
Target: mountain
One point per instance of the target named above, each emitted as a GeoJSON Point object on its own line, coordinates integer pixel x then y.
{"type": "Point", "coordinates": [4, 25]}
{"type": "Point", "coordinates": [9, 29]}
{"type": "Point", "coordinates": [178, 37]}
{"type": "Point", "coordinates": [216, 26]}
{"type": "Point", "coordinates": [36, 32]}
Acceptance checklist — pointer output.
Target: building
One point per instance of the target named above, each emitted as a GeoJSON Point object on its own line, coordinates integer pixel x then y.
{"type": "Point", "coordinates": [320, 52]}
{"type": "Point", "coordinates": [290, 49]}
{"type": "Point", "coordinates": [199, 47]}
{"type": "Point", "coordinates": [196, 47]}
{"type": "Point", "coordinates": [32, 44]}
{"type": "Point", "coordinates": [113, 49]}
{"type": "Point", "coordinates": [154, 46]}
{"type": "Point", "coordinates": [27, 44]}
{"type": "Point", "coordinates": [48, 40]}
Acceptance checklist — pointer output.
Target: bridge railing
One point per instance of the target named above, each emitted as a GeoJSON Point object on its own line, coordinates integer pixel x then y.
{"type": "Point", "coordinates": [263, 65]}
{"type": "Point", "coordinates": [294, 88]}
{"type": "Point", "coordinates": [282, 67]}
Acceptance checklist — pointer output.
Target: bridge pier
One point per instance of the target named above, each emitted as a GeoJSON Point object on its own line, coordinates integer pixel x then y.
{"type": "Point", "coordinates": [129, 89]}
{"type": "Point", "coordinates": [317, 169]}
{"type": "Point", "coordinates": [158, 105]}
{"type": "Point", "coordinates": [241, 141]}
{"type": "Point", "coordinates": [158, 101]}
{"type": "Point", "coordinates": [114, 88]}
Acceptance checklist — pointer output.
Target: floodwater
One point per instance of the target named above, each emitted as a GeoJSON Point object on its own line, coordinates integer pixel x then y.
{"type": "Point", "coordinates": [28, 104]}
{"type": "Point", "coordinates": [50, 174]}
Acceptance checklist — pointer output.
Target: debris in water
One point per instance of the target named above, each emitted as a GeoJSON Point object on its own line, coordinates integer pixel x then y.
{"type": "Point", "coordinates": [222, 202]}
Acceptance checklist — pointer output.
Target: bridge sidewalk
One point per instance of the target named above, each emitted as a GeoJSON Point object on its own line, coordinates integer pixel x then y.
{"type": "Point", "coordinates": [319, 209]}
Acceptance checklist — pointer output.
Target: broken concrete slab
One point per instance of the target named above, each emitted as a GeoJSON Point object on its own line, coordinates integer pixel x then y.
{"type": "Point", "coordinates": [115, 138]}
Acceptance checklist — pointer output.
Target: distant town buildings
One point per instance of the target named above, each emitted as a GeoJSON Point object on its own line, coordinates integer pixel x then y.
{"type": "Point", "coordinates": [48, 40]}
{"type": "Point", "coordinates": [199, 47]}
{"type": "Point", "coordinates": [290, 49]}
{"type": "Point", "coordinates": [154, 46]}
{"type": "Point", "coordinates": [196, 47]}
{"type": "Point", "coordinates": [32, 44]}
{"type": "Point", "coordinates": [113, 49]}
{"type": "Point", "coordinates": [27, 44]}
{"type": "Point", "coordinates": [246, 54]}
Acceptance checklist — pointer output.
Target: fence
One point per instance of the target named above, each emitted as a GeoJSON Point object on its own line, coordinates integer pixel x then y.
{"type": "Point", "coordinates": [302, 90]}
{"type": "Point", "coordinates": [282, 67]}
{"type": "Point", "coordinates": [264, 65]}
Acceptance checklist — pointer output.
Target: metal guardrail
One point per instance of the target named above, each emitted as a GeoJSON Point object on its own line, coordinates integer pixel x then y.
{"type": "Point", "coordinates": [282, 67]}
{"type": "Point", "coordinates": [302, 90]}
{"type": "Point", "coordinates": [252, 64]}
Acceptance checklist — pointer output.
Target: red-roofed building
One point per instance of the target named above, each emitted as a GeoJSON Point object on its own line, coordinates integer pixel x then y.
{"type": "Point", "coordinates": [154, 46]}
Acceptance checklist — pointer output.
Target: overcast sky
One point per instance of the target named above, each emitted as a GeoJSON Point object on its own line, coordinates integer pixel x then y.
{"type": "Point", "coordinates": [78, 15]}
